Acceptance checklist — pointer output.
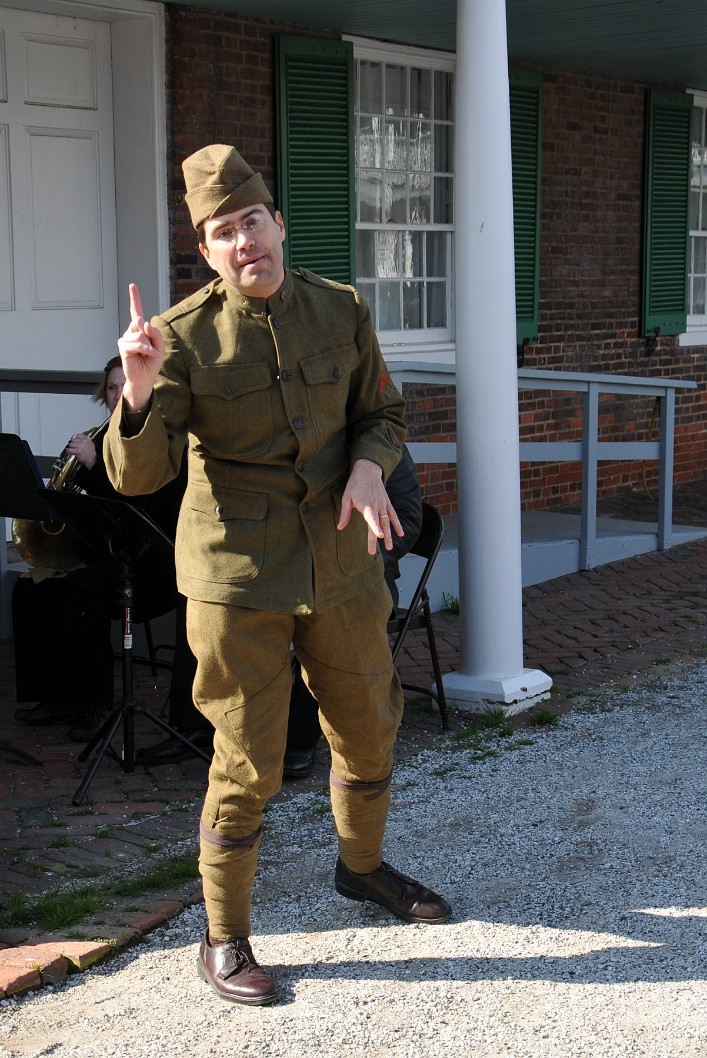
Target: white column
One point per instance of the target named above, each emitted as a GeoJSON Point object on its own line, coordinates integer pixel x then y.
{"type": "Point", "coordinates": [490, 578]}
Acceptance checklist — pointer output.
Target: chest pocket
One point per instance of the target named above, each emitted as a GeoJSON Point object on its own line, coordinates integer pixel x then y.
{"type": "Point", "coordinates": [232, 408]}
{"type": "Point", "coordinates": [326, 376]}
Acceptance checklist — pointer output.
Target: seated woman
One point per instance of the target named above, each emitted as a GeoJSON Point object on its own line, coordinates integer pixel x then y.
{"type": "Point", "coordinates": [62, 623]}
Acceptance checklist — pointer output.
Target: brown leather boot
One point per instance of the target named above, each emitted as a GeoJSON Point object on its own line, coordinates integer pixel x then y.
{"type": "Point", "coordinates": [231, 970]}
{"type": "Point", "coordinates": [405, 898]}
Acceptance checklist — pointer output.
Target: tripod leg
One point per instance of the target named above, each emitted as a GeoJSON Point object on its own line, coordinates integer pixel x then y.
{"type": "Point", "coordinates": [112, 726]}
{"type": "Point", "coordinates": [173, 732]}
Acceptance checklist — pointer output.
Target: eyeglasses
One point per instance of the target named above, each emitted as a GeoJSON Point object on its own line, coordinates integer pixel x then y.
{"type": "Point", "coordinates": [251, 225]}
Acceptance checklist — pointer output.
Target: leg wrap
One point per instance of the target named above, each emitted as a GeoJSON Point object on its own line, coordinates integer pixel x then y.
{"type": "Point", "coordinates": [360, 813]}
{"type": "Point", "coordinates": [227, 866]}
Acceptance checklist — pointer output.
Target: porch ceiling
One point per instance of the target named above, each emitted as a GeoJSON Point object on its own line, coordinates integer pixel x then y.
{"type": "Point", "coordinates": [656, 41]}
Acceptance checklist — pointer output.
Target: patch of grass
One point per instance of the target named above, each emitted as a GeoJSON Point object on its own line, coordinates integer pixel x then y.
{"type": "Point", "coordinates": [61, 843]}
{"type": "Point", "coordinates": [543, 717]}
{"type": "Point", "coordinates": [662, 661]}
{"type": "Point", "coordinates": [451, 602]}
{"type": "Point", "coordinates": [484, 754]}
{"type": "Point", "coordinates": [106, 831]}
{"type": "Point", "coordinates": [51, 911]}
{"type": "Point", "coordinates": [444, 769]}
{"type": "Point", "coordinates": [164, 875]}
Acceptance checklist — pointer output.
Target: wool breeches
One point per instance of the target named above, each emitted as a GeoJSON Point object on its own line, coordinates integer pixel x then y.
{"type": "Point", "coordinates": [243, 684]}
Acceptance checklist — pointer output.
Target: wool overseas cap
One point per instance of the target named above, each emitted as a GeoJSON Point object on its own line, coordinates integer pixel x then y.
{"type": "Point", "coordinates": [219, 181]}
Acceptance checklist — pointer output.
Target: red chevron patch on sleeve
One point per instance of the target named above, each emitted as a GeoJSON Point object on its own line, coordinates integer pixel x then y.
{"type": "Point", "coordinates": [383, 378]}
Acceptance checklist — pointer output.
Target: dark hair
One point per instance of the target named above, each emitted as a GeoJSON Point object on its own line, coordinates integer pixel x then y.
{"type": "Point", "coordinates": [100, 394]}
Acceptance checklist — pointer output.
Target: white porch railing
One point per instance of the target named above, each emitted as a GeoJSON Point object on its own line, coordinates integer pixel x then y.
{"type": "Point", "coordinates": [590, 451]}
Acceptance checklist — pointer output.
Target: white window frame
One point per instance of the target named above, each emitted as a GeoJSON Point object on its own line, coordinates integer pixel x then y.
{"type": "Point", "coordinates": [696, 333]}
{"type": "Point", "coordinates": [434, 342]}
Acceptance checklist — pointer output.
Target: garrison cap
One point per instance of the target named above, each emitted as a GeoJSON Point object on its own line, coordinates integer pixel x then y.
{"type": "Point", "coordinates": [218, 181]}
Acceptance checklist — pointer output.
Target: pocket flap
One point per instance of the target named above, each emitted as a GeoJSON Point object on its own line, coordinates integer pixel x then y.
{"type": "Point", "coordinates": [331, 366]}
{"type": "Point", "coordinates": [224, 504]}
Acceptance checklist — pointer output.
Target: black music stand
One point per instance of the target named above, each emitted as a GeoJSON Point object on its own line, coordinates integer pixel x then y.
{"type": "Point", "coordinates": [124, 532]}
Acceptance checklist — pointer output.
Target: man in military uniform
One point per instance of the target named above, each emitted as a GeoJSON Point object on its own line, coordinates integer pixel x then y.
{"type": "Point", "coordinates": [277, 381]}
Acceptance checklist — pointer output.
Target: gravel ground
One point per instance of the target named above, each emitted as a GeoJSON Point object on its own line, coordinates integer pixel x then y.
{"type": "Point", "coordinates": [575, 861]}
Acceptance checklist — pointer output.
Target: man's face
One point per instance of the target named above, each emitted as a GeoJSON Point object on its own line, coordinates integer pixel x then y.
{"type": "Point", "coordinates": [245, 248]}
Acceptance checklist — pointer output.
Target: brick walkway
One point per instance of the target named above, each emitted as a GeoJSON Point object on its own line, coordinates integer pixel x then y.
{"type": "Point", "coordinates": [585, 630]}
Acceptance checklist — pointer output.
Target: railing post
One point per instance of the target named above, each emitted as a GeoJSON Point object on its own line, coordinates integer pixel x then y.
{"type": "Point", "coordinates": [665, 482]}
{"type": "Point", "coordinates": [590, 453]}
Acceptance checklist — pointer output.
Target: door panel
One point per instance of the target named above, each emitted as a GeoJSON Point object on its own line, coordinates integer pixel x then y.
{"type": "Point", "coordinates": [58, 257]}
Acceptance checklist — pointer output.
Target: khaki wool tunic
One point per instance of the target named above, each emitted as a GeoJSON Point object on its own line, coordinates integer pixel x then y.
{"type": "Point", "coordinates": [277, 400]}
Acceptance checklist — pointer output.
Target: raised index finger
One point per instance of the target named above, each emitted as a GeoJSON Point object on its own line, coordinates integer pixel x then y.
{"type": "Point", "coordinates": [135, 303]}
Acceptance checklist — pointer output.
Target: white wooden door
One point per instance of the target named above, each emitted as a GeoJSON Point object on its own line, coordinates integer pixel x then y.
{"type": "Point", "coordinates": [58, 259]}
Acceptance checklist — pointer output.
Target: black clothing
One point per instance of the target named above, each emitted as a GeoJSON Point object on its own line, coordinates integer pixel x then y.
{"type": "Point", "coordinates": [62, 625]}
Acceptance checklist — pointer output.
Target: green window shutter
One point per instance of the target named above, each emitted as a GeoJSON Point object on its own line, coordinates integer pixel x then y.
{"type": "Point", "coordinates": [316, 173]}
{"type": "Point", "coordinates": [526, 92]}
{"type": "Point", "coordinates": [666, 213]}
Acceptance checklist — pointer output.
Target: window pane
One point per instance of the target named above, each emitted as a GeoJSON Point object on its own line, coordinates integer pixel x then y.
{"type": "Point", "coordinates": [412, 306]}
{"type": "Point", "coordinates": [412, 253]}
{"type": "Point", "coordinates": [389, 309]}
{"type": "Point", "coordinates": [396, 148]}
{"type": "Point", "coordinates": [370, 143]}
{"type": "Point", "coordinates": [396, 95]}
{"type": "Point", "coordinates": [420, 146]}
{"type": "Point", "coordinates": [394, 198]}
{"type": "Point", "coordinates": [420, 199]}
{"type": "Point", "coordinates": [436, 254]}
{"type": "Point", "coordinates": [698, 296]}
{"type": "Point", "coordinates": [700, 261]}
{"type": "Point", "coordinates": [368, 293]}
{"type": "Point", "coordinates": [444, 96]}
{"type": "Point", "coordinates": [694, 210]}
{"type": "Point", "coordinates": [420, 93]}
{"type": "Point", "coordinates": [365, 252]}
{"type": "Point", "coordinates": [702, 224]}
{"type": "Point", "coordinates": [371, 87]}
{"type": "Point", "coordinates": [444, 149]}
{"type": "Point", "coordinates": [369, 196]}
{"type": "Point", "coordinates": [388, 263]}
{"type": "Point", "coordinates": [443, 200]}
{"type": "Point", "coordinates": [436, 305]}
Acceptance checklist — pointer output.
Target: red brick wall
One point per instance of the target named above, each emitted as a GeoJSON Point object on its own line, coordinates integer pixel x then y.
{"type": "Point", "coordinates": [590, 291]}
{"type": "Point", "coordinates": [221, 89]}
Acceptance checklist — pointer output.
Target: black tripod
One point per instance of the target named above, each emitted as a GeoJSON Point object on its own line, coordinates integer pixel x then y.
{"type": "Point", "coordinates": [126, 533]}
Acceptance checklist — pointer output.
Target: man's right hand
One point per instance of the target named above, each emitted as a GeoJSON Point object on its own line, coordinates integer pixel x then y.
{"type": "Point", "coordinates": [142, 352]}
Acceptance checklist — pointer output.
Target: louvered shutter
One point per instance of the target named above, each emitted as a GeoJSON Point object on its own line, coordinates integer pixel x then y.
{"type": "Point", "coordinates": [666, 213]}
{"type": "Point", "coordinates": [316, 154]}
{"type": "Point", "coordinates": [526, 144]}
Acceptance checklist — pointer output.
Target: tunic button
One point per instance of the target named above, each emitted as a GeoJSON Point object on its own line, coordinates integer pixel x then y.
{"type": "Point", "coordinates": [219, 510]}
{"type": "Point", "coordinates": [336, 372]}
{"type": "Point", "coordinates": [284, 375]}
{"type": "Point", "coordinates": [277, 321]}
{"type": "Point", "coordinates": [300, 465]}
{"type": "Point", "coordinates": [228, 389]}
{"type": "Point", "coordinates": [298, 423]}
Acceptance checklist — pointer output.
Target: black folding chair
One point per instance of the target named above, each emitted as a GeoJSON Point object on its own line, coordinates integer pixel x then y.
{"type": "Point", "coordinates": [418, 613]}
